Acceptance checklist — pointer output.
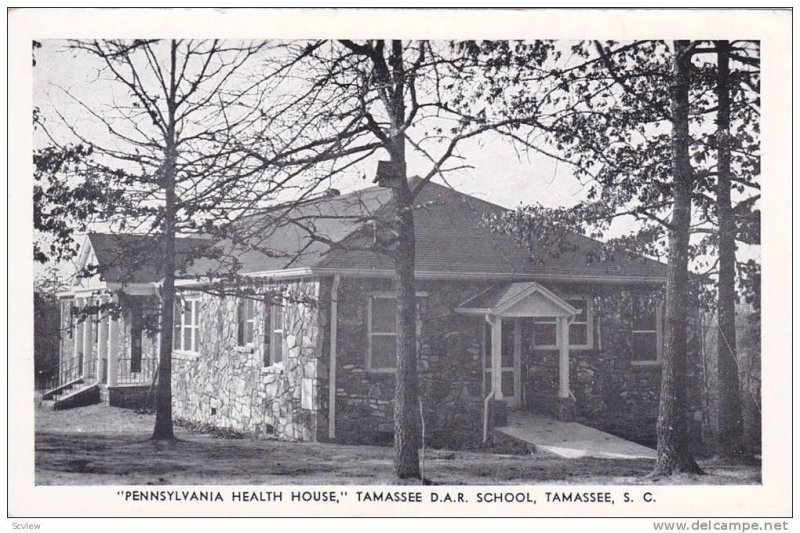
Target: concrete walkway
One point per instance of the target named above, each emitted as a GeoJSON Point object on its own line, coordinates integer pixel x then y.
{"type": "Point", "coordinates": [570, 439]}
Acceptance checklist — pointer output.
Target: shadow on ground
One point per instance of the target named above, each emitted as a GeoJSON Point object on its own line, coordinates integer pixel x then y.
{"type": "Point", "coordinates": [104, 445]}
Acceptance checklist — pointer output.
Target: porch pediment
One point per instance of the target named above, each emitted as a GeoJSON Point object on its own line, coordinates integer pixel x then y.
{"type": "Point", "coordinates": [520, 299]}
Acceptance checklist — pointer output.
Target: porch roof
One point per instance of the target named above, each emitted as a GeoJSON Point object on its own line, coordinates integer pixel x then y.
{"type": "Point", "coordinates": [521, 299]}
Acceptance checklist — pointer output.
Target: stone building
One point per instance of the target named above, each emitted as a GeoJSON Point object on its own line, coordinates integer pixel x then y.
{"type": "Point", "coordinates": [309, 354]}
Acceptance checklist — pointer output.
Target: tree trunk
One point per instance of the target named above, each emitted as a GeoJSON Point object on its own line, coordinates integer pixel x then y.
{"type": "Point", "coordinates": [672, 429]}
{"type": "Point", "coordinates": [406, 406]}
{"type": "Point", "coordinates": [406, 403]}
{"type": "Point", "coordinates": [163, 429]}
{"type": "Point", "coordinates": [730, 408]}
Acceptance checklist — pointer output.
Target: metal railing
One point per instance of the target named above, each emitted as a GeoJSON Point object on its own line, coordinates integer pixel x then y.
{"type": "Point", "coordinates": [64, 373]}
{"type": "Point", "coordinates": [135, 371]}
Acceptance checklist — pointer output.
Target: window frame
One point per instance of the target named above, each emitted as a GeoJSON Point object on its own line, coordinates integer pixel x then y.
{"type": "Point", "coordinates": [589, 323]}
{"type": "Point", "coordinates": [546, 320]}
{"type": "Point", "coordinates": [389, 295]}
{"type": "Point", "coordinates": [659, 331]}
{"type": "Point", "coordinates": [271, 330]}
{"type": "Point", "coordinates": [252, 319]}
{"type": "Point", "coordinates": [193, 300]}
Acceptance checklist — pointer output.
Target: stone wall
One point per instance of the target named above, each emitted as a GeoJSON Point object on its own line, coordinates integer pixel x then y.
{"type": "Point", "coordinates": [449, 368]}
{"type": "Point", "coordinates": [228, 387]}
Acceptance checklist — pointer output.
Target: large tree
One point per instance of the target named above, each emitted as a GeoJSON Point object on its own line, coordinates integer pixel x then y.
{"type": "Point", "coordinates": [343, 104]}
{"type": "Point", "coordinates": [155, 156]}
{"type": "Point", "coordinates": [672, 426]}
{"type": "Point", "coordinates": [612, 121]}
{"type": "Point", "coordinates": [737, 222]}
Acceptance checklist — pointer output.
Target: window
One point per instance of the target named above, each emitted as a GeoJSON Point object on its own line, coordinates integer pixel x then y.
{"type": "Point", "coordinates": [580, 329]}
{"type": "Point", "coordinates": [646, 330]}
{"type": "Point", "coordinates": [274, 345]}
{"type": "Point", "coordinates": [545, 332]}
{"type": "Point", "coordinates": [382, 330]}
{"type": "Point", "coordinates": [186, 337]}
{"type": "Point", "coordinates": [246, 322]}
{"type": "Point", "coordinates": [542, 333]}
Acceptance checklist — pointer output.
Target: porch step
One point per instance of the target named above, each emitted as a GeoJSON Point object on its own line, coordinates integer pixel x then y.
{"type": "Point", "coordinates": [61, 389]}
{"type": "Point", "coordinates": [77, 395]}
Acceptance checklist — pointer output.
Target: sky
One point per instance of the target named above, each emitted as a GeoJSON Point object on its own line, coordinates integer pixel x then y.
{"type": "Point", "coordinates": [498, 173]}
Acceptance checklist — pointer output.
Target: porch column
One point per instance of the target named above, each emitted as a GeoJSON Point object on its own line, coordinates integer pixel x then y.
{"type": "Point", "coordinates": [87, 341]}
{"type": "Point", "coordinates": [113, 348]}
{"type": "Point", "coordinates": [77, 334]}
{"type": "Point", "coordinates": [102, 341]}
{"type": "Point", "coordinates": [563, 358]}
{"type": "Point", "coordinates": [497, 339]}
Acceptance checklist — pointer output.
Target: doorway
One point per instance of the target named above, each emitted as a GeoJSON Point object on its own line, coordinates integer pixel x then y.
{"type": "Point", "coordinates": [510, 361]}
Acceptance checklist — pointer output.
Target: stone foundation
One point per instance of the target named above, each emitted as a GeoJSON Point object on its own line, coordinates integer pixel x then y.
{"type": "Point", "coordinates": [128, 396]}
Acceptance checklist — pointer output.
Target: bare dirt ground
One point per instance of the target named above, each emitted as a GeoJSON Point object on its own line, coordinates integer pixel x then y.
{"type": "Point", "coordinates": [98, 445]}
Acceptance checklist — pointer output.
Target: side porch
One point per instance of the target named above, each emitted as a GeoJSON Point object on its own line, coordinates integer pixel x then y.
{"type": "Point", "coordinates": [104, 352]}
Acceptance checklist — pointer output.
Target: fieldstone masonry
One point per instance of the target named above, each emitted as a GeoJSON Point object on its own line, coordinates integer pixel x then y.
{"type": "Point", "coordinates": [229, 387]}
{"type": "Point", "coordinates": [612, 393]}
{"type": "Point", "coordinates": [449, 368]}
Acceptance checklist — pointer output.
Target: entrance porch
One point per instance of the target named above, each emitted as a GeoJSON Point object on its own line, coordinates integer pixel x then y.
{"type": "Point", "coordinates": [515, 314]}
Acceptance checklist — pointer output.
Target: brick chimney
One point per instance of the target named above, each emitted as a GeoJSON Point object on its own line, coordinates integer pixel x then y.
{"type": "Point", "coordinates": [389, 174]}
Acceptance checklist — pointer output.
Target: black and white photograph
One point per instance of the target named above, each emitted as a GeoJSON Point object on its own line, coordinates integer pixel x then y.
{"type": "Point", "coordinates": [525, 262]}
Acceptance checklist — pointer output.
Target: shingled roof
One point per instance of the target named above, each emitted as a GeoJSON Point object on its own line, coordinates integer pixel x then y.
{"type": "Point", "coordinates": [452, 239]}
{"type": "Point", "coordinates": [133, 258]}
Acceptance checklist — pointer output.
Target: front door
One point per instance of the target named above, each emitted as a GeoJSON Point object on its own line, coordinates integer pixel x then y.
{"type": "Point", "coordinates": [510, 361]}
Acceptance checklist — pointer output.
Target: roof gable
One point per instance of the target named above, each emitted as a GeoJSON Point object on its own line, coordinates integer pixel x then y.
{"type": "Point", "coordinates": [133, 258]}
{"type": "Point", "coordinates": [520, 299]}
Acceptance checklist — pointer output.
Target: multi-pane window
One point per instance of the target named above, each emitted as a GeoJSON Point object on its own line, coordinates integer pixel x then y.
{"type": "Point", "coordinates": [274, 349]}
{"type": "Point", "coordinates": [646, 331]}
{"type": "Point", "coordinates": [382, 331]}
{"type": "Point", "coordinates": [276, 345]}
{"type": "Point", "coordinates": [580, 329]}
{"type": "Point", "coordinates": [543, 332]}
{"type": "Point", "coordinates": [186, 337]}
{"type": "Point", "coordinates": [246, 322]}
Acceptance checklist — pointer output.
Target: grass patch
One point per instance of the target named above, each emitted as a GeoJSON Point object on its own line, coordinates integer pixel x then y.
{"type": "Point", "coordinates": [98, 444]}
